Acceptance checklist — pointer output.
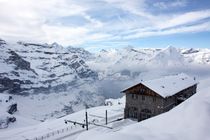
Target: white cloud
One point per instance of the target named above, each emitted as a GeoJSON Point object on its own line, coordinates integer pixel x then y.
{"type": "Point", "coordinates": [25, 18]}
{"type": "Point", "coordinates": [184, 29]}
{"type": "Point", "coordinates": [73, 36]}
{"type": "Point", "coordinates": [170, 4]}
{"type": "Point", "coordinates": [185, 18]}
{"type": "Point", "coordinates": [136, 7]}
{"type": "Point", "coordinates": [39, 21]}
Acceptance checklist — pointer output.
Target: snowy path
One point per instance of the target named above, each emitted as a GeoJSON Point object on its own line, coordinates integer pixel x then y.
{"type": "Point", "coordinates": [49, 129]}
{"type": "Point", "coordinates": [117, 126]}
{"type": "Point", "coordinates": [73, 135]}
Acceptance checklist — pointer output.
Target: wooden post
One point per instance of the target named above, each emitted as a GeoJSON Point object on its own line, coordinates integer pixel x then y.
{"type": "Point", "coordinates": [86, 118]}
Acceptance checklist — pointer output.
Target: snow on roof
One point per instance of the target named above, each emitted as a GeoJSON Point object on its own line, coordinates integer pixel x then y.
{"type": "Point", "coordinates": [170, 85]}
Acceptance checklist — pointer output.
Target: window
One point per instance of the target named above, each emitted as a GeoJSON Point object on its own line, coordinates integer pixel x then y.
{"type": "Point", "coordinates": [134, 96]}
{"type": "Point", "coordinates": [145, 113]}
{"type": "Point", "coordinates": [133, 111]}
{"type": "Point", "coordinates": [142, 90]}
{"type": "Point", "coordinates": [154, 99]}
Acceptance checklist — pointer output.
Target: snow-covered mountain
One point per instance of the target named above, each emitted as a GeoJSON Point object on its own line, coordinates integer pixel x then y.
{"type": "Point", "coordinates": [42, 67]}
{"type": "Point", "coordinates": [199, 56]}
{"type": "Point", "coordinates": [168, 57]}
{"type": "Point", "coordinates": [131, 62]}
{"type": "Point", "coordinates": [57, 81]}
{"type": "Point", "coordinates": [53, 80]}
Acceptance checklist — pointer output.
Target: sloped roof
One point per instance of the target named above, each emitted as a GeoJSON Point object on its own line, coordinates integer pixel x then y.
{"type": "Point", "coordinates": [170, 85]}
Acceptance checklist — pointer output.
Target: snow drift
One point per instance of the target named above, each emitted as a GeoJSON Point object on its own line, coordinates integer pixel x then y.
{"type": "Point", "coordinates": [188, 121]}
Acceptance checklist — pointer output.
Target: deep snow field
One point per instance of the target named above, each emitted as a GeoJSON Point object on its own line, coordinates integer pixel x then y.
{"type": "Point", "coordinates": [188, 121]}
{"type": "Point", "coordinates": [51, 83]}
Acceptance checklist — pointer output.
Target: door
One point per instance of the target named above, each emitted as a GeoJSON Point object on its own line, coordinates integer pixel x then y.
{"type": "Point", "coordinates": [132, 113]}
{"type": "Point", "coordinates": [145, 114]}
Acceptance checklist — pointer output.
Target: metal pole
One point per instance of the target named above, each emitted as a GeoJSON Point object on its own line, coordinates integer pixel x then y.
{"type": "Point", "coordinates": [86, 118]}
{"type": "Point", "coordinates": [106, 118]}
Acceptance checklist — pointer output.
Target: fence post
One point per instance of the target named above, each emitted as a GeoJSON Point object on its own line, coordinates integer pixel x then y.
{"type": "Point", "coordinates": [106, 117]}
{"type": "Point", "coordinates": [86, 118]}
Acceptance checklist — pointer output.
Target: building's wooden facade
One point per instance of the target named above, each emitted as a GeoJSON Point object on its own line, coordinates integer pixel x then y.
{"type": "Point", "coordinates": [142, 102]}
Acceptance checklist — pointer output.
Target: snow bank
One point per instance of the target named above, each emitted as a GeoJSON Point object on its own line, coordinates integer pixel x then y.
{"type": "Point", "coordinates": [188, 121]}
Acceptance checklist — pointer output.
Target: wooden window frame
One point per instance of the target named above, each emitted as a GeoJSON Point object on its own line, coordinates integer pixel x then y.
{"type": "Point", "coordinates": [134, 96]}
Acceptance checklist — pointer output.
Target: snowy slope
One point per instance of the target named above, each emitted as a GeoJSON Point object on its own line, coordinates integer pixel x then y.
{"type": "Point", "coordinates": [42, 67]}
{"type": "Point", "coordinates": [59, 81]}
{"type": "Point", "coordinates": [120, 68]}
{"type": "Point", "coordinates": [7, 109]}
{"type": "Point", "coordinates": [188, 121]}
{"type": "Point", "coordinates": [37, 130]}
{"type": "Point", "coordinates": [168, 57]}
{"type": "Point", "coordinates": [120, 62]}
{"type": "Point", "coordinates": [126, 63]}
{"type": "Point", "coordinates": [15, 72]}
{"type": "Point", "coordinates": [56, 66]}
{"type": "Point", "coordinates": [48, 76]}
{"type": "Point", "coordinates": [41, 107]}
{"type": "Point", "coordinates": [197, 56]}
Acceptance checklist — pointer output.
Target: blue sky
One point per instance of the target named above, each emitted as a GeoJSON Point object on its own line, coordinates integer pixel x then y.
{"type": "Point", "coordinates": [103, 24]}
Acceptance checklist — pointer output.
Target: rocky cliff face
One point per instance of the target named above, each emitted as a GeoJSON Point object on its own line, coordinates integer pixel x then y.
{"type": "Point", "coordinates": [14, 70]}
{"type": "Point", "coordinates": [41, 68]}
{"type": "Point", "coordinates": [7, 108]}
{"type": "Point", "coordinates": [48, 75]}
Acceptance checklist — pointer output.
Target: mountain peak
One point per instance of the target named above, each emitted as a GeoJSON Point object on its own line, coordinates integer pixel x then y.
{"type": "Point", "coordinates": [56, 45]}
{"type": "Point", "coordinates": [2, 41]}
{"type": "Point", "coordinates": [129, 47]}
{"type": "Point", "coordinates": [169, 56]}
{"type": "Point", "coordinates": [171, 49]}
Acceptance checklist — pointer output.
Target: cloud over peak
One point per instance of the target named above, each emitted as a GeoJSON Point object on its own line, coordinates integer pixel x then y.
{"type": "Point", "coordinates": [80, 22]}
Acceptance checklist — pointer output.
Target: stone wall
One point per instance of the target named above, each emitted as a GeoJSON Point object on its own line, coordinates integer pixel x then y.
{"type": "Point", "coordinates": [142, 102]}
{"type": "Point", "coordinates": [141, 106]}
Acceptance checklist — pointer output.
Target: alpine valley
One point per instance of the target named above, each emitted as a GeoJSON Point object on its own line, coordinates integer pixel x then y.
{"type": "Point", "coordinates": [48, 81]}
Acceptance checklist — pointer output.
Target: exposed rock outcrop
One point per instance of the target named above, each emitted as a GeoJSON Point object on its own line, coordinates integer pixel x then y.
{"type": "Point", "coordinates": [32, 68]}
{"type": "Point", "coordinates": [7, 108]}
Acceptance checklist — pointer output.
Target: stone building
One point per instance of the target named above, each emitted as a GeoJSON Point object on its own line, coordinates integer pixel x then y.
{"type": "Point", "coordinates": [150, 98]}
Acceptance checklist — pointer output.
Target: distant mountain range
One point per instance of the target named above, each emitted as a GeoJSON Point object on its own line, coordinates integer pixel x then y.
{"type": "Point", "coordinates": [64, 80]}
